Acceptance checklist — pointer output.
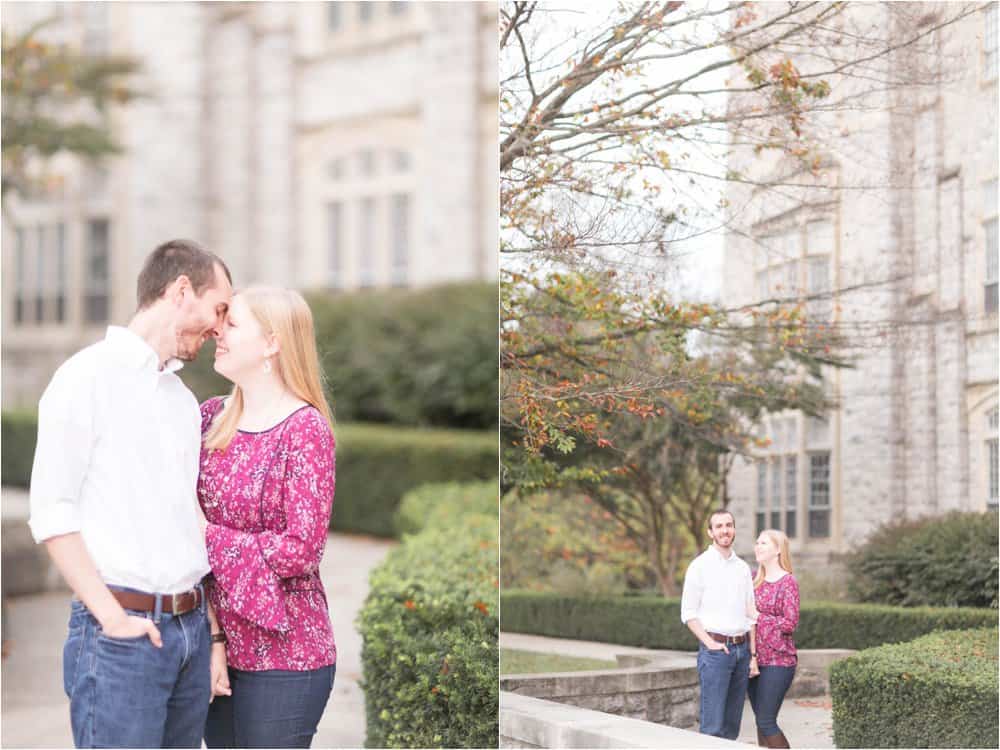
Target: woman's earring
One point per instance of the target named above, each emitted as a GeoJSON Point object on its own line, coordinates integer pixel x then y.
{"type": "Point", "coordinates": [267, 365]}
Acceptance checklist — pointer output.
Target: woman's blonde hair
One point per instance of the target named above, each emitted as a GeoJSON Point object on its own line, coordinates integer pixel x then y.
{"type": "Point", "coordinates": [284, 314]}
{"type": "Point", "coordinates": [780, 540]}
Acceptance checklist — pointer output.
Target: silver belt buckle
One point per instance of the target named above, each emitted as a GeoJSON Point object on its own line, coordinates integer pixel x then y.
{"type": "Point", "coordinates": [173, 604]}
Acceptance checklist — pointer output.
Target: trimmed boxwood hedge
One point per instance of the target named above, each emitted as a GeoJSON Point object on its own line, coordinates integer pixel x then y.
{"type": "Point", "coordinates": [936, 691]}
{"type": "Point", "coordinates": [438, 504]}
{"type": "Point", "coordinates": [376, 465]}
{"type": "Point", "coordinates": [655, 622]}
{"type": "Point", "coordinates": [431, 633]}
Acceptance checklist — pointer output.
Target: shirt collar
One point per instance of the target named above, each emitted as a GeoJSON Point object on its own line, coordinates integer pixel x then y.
{"type": "Point", "coordinates": [718, 555]}
{"type": "Point", "coordinates": [136, 351]}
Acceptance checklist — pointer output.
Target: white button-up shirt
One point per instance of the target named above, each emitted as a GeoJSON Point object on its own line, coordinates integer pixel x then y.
{"type": "Point", "coordinates": [718, 592]}
{"type": "Point", "coordinates": [117, 461]}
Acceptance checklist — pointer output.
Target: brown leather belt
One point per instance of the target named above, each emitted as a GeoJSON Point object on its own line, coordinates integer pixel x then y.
{"type": "Point", "coordinates": [173, 604]}
{"type": "Point", "coordinates": [727, 639]}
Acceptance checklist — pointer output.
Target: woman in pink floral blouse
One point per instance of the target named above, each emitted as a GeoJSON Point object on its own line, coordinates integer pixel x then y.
{"type": "Point", "coordinates": [777, 598]}
{"type": "Point", "coordinates": [266, 487]}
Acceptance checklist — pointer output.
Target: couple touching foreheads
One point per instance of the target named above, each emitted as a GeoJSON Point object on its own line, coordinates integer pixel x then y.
{"type": "Point", "coordinates": [744, 625]}
{"type": "Point", "coordinates": [191, 537]}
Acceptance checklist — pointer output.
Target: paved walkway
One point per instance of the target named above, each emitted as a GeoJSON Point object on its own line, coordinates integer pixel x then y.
{"type": "Point", "coordinates": [36, 711]}
{"type": "Point", "coordinates": [807, 722]}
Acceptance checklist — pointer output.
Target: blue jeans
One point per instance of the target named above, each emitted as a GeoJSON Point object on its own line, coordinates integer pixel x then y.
{"type": "Point", "coordinates": [767, 691]}
{"type": "Point", "coordinates": [272, 708]}
{"type": "Point", "coordinates": [723, 679]}
{"type": "Point", "coordinates": [126, 692]}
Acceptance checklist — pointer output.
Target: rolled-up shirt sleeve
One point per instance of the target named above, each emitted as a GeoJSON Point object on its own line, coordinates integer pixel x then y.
{"type": "Point", "coordinates": [62, 455]}
{"type": "Point", "coordinates": [691, 594]}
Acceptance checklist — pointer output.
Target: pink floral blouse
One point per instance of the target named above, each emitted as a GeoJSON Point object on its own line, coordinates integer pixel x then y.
{"type": "Point", "coordinates": [778, 608]}
{"type": "Point", "coordinates": [268, 499]}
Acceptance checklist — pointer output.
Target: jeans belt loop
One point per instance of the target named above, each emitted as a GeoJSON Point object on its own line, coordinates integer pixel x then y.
{"type": "Point", "coordinates": [158, 611]}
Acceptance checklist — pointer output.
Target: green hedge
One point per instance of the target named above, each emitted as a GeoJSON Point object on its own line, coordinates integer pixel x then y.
{"type": "Point", "coordinates": [18, 434]}
{"type": "Point", "coordinates": [430, 629]}
{"type": "Point", "coordinates": [947, 561]}
{"type": "Point", "coordinates": [376, 466]}
{"type": "Point", "coordinates": [937, 691]}
{"type": "Point", "coordinates": [412, 356]}
{"type": "Point", "coordinates": [655, 622]}
{"type": "Point", "coordinates": [434, 505]}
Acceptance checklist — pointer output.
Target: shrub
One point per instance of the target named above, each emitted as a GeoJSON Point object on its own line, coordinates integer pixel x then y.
{"type": "Point", "coordinates": [937, 691]}
{"type": "Point", "coordinates": [431, 634]}
{"type": "Point", "coordinates": [435, 505]}
{"type": "Point", "coordinates": [948, 560]}
{"type": "Point", "coordinates": [655, 622]}
{"type": "Point", "coordinates": [419, 357]}
{"type": "Point", "coordinates": [18, 433]}
{"type": "Point", "coordinates": [377, 465]}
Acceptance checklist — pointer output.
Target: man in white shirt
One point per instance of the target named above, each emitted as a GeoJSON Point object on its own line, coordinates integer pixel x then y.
{"type": "Point", "coordinates": [113, 497]}
{"type": "Point", "coordinates": [718, 606]}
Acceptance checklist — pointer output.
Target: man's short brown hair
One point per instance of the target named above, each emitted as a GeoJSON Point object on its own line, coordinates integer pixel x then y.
{"type": "Point", "coordinates": [177, 258]}
{"type": "Point", "coordinates": [720, 512]}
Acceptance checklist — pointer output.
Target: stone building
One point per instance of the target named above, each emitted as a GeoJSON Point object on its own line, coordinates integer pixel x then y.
{"type": "Point", "coordinates": [319, 145]}
{"type": "Point", "coordinates": [900, 227]}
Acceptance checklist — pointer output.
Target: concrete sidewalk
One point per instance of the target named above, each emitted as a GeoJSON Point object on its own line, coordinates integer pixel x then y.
{"type": "Point", "coordinates": [35, 708]}
{"type": "Point", "coordinates": [806, 722]}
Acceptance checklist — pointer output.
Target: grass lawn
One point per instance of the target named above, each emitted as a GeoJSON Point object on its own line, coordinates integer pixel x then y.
{"type": "Point", "coordinates": [513, 661]}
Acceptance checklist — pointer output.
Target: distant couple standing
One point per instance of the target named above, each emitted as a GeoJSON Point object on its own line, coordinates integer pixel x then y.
{"type": "Point", "coordinates": [744, 625]}
{"type": "Point", "coordinates": [191, 537]}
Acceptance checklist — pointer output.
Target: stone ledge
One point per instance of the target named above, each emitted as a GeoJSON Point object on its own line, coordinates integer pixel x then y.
{"type": "Point", "coordinates": [534, 723]}
{"type": "Point", "coordinates": [653, 687]}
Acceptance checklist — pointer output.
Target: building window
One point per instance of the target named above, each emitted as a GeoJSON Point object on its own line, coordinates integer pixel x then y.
{"type": "Point", "coordinates": [990, 284]}
{"type": "Point", "coordinates": [819, 495]}
{"type": "Point", "coordinates": [992, 247]}
{"type": "Point", "coordinates": [776, 503]}
{"type": "Point", "coordinates": [335, 170]}
{"type": "Point", "coordinates": [818, 431]}
{"type": "Point", "coordinates": [791, 494]}
{"type": "Point", "coordinates": [366, 162]}
{"type": "Point", "coordinates": [400, 228]}
{"type": "Point", "coordinates": [819, 285]}
{"type": "Point", "coordinates": [991, 450]}
{"type": "Point", "coordinates": [97, 288]}
{"type": "Point", "coordinates": [21, 261]}
{"type": "Point", "coordinates": [366, 11]}
{"type": "Point", "coordinates": [401, 161]}
{"type": "Point", "coordinates": [61, 276]}
{"type": "Point", "coordinates": [335, 249]}
{"type": "Point", "coordinates": [990, 42]}
{"type": "Point", "coordinates": [992, 459]}
{"type": "Point", "coordinates": [398, 8]}
{"type": "Point", "coordinates": [366, 243]}
{"type": "Point", "coordinates": [334, 18]}
{"type": "Point", "coordinates": [791, 279]}
{"type": "Point", "coordinates": [761, 496]}
{"type": "Point", "coordinates": [763, 289]}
